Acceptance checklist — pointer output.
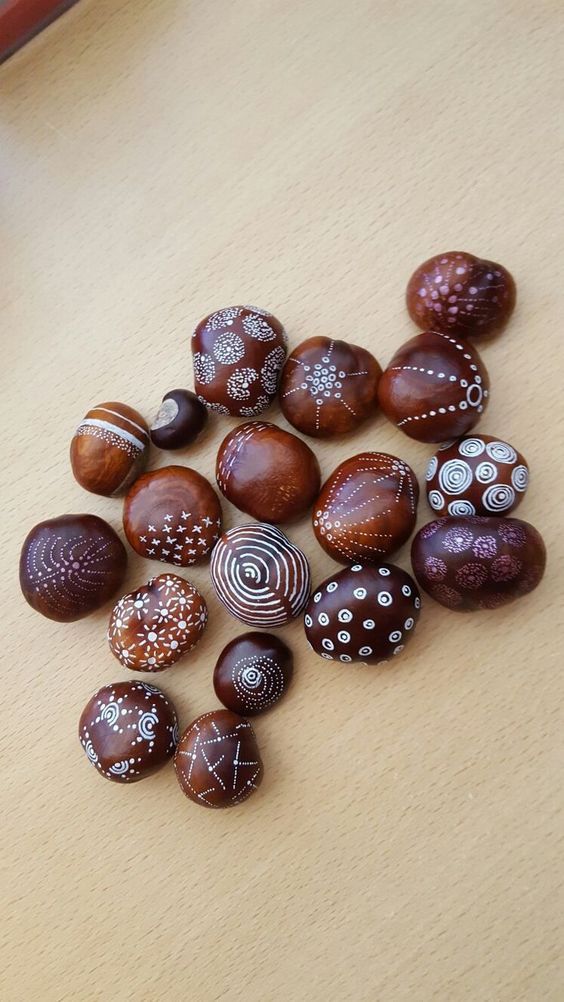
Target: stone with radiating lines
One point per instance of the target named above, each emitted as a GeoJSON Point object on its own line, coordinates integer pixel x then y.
{"type": "Point", "coordinates": [260, 576]}
{"type": "Point", "coordinates": [109, 448]}
{"type": "Point", "coordinates": [217, 760]}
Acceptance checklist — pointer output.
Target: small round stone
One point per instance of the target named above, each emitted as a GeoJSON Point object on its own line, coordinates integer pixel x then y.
{"type": "Point", "coordinates": [217, 760]}
{"type": "Point", "coordinates": [468, 562]}
{"type": "Point", "coordinates": [109, 448]}
{"type": "Point", "coordinates": [172, 514]}
{"type": "Point", "coordinates": [260, 576]}
{"type": "Point", "coordinates": [435, 387]}
{"type": "Point", "coordinates": [266, 472]}
{"type": "Point", "coordinates": [367, 508]}
{"type": "Point", "coordinates": [128, 730]}
{"type": "Point", "coordinates": [180, 419]}
{"type": "Point", "coordinates": [252, 673]}
{"type": "Point", "coordinates": [71, 565]}
{"type": "Point", "coordinates": [238, 353]}
{"type": "Point", "coordinates": [461, 294]}
{"type": "Point", "coordinates": [329, 387]}
{"type": "Point", "coordinates": [365, 614]}
{"type": "Point", "coordinates": [156, 625]}
{"type": "Point", "coordinates": [476, 475]}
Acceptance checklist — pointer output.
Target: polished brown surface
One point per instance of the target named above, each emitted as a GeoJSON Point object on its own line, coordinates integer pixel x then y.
{"type": "Point", "coordinates": [461, 294]}
{"type": "Point", "coordinates": [128, 730]}
{"type": "Point", "coordinates": [365, 614]}
{"type": "Point", "coordinates": [217, 760]}
{"type": "Point", "coordinates": [71, 565]}
{"type": "Point", "coordinates": [260, 576]}
{"type": "Point", "coordinates": [180, 419]}
{"type": "Point", "coordinates": [172, 514]}
{"type": "Point", "coordinates": [238, 353]}
{"type": "Point", "coordinates": [109, 448]}
{"type": "Point", "coordinates": [267, 472]}
{"type": "Point", "coordinates": [435, 387]}
{"type": "Point", "coordinates": [329, 387]}
{"type": "Point", "coordinates": [476, 475]}
{"type": "Point", "coordinates": [367, 508]}
{"type": "Point", "coordinates": [156, 625]}
{"type": "Point", "coordinates": [468, 563]}
{"type": "Point", "coordinates": [253, 672]}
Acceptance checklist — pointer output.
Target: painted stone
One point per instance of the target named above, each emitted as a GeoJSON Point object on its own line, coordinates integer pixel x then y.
{"type": "Point", "coordinates": [476, 475]}
{"type": "Point", "coordinates": [261, 577]}
{"type": "Point", "coordinates": [252, 673]}
{"type": "Point", "coordinates": [180, 419]}
{"type": "Point", "coordinates": [109, 448]}
{"type": "Point", "coordinates": [238, 353]}
{"type": "Point", "coordinates": [71, 565]}
{"type": "Point", "coordinates": [461, 294]}
{"type": "Point", "coordinates": [329, 387]}
{"type": "Point", "coordinates": [156, 625]}
{"type": "Point", "coordinates": [365, 614]}
{"type": "Point", "coordinates": [467, 562]}
{"type": "Point", "coordinates": [173, 515]}
{"type": "Point", "coordinates": [435, 387]}
{"type": "Point", "coordinates": [266, 472]}
{"type": "Point", "coordinates": [217, 761]}
{"type": "Point", "coordinates": [128, 731]}
{"type": "Point", "coordinates": [367, 508]}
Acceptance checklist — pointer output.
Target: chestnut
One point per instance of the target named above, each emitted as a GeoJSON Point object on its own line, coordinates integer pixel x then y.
{"type": "Point", "coordinates": [109, 448]}
{"type": "Point", "coordinates": [253, 672]}
{"type": "Point", "coordinates": [217, 761]}
{"type": "Point", "coordinates": [180, 419]}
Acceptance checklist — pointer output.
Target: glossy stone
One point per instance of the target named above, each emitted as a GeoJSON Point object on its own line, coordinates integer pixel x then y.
{"type": "Point", "coordinates": [367, 508]}
{"type": "Point", "coordinates": [156, 625]}
{"type": "Point", "coordinates": [252, 673]}
{"type": "Point", "coordinates": [266, 472]}
{"type": "Point", "coordinates": [365, 614]}
{"type": "Point", "coordinates": [329, 387]}
{"type": "Point", "coordinates": [173, 515]}
{"type": "Point", "coordinates": [217, 761]}
{"type": "Point", "coordinates": [238, 353]}
{"type": "Point", "coordinates": [109, 448]}
{"type": "Point", "coordinates": [476, 475]}
{"type": "Point", "coordinates": [180, 419]}
{"type": "Point", "coordinates": [261, 577]}
{"type": "Point", "coordinates": [71, 565]}
{"type": "Point", "coordinates": [468, 562]}
{"type": "Point", "coordinates": [461, 294]}
{"type": "Point", "coordinates": [435, 387]}
{"type": "Point", "coordinates": [128, 730]}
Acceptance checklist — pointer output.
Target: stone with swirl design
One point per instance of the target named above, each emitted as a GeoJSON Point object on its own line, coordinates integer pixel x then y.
{"type": "Point", "coordinates": [365, 614]}
{"type": "Point", "coordinates": [367, 508]}
{"type": "Point", "coordinates": [252, 672]}
{"type": "Point", "coordinates": [461, 294]}
{"type": "Point", "coordinates": [238, 353]}
{"type": "Point", "coordinates": [476, 475]}
{"type": "Point", "coordinates": [260, 576]}
{"type": "Point", "coordinates": [70, 566]}
{"type": "Point", "coordinates": [156, 625]}
{"type": "Point", "coordinates": [471, 562]}
{"type": "Point", "coordinates": [128, 730]}
{"type": "Point", "coordinates": [329, 387]}
{"type": "Point", "coordinates": [217, 761]}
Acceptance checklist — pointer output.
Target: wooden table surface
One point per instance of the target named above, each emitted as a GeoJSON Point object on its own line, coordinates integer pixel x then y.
{"type": "Point", "coordinates": [160, 159]}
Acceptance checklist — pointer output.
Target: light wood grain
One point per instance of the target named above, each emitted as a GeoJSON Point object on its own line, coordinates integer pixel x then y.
{"type": "Point", "coordinates": [159, 159]}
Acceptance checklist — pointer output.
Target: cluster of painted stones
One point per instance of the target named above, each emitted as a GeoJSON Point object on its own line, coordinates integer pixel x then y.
{"type": "Point", "coordinates": [471, 557]}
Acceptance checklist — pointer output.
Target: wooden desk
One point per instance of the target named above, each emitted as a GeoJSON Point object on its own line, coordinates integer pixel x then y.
{"type": "Point", "coordinates": [163, 158]}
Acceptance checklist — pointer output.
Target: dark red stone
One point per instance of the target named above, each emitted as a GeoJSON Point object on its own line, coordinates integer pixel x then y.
{"type": "Point", "coordinates": [128, 730]}
{"type": "Point", "coordinates": [363, 614]}
{"type": "Point", "coordinates": [217, 760]}
{"type": "Point", "coordinates": [476, 475]}
{"type": "Point", "coordinates": [467, 562]}
{"type": "Point", "coordinates": [461, 294]}
{"type": "Point", "coordinates": [252, 672]}
{"type": "Point", "coordinates": [180, 419]}
{"type": "Point", "coordinates": [435, 387]}
{"type": "Point", "coordinates": [71, 565]}
{"type": "Point", "coordinates": [329, 387]}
